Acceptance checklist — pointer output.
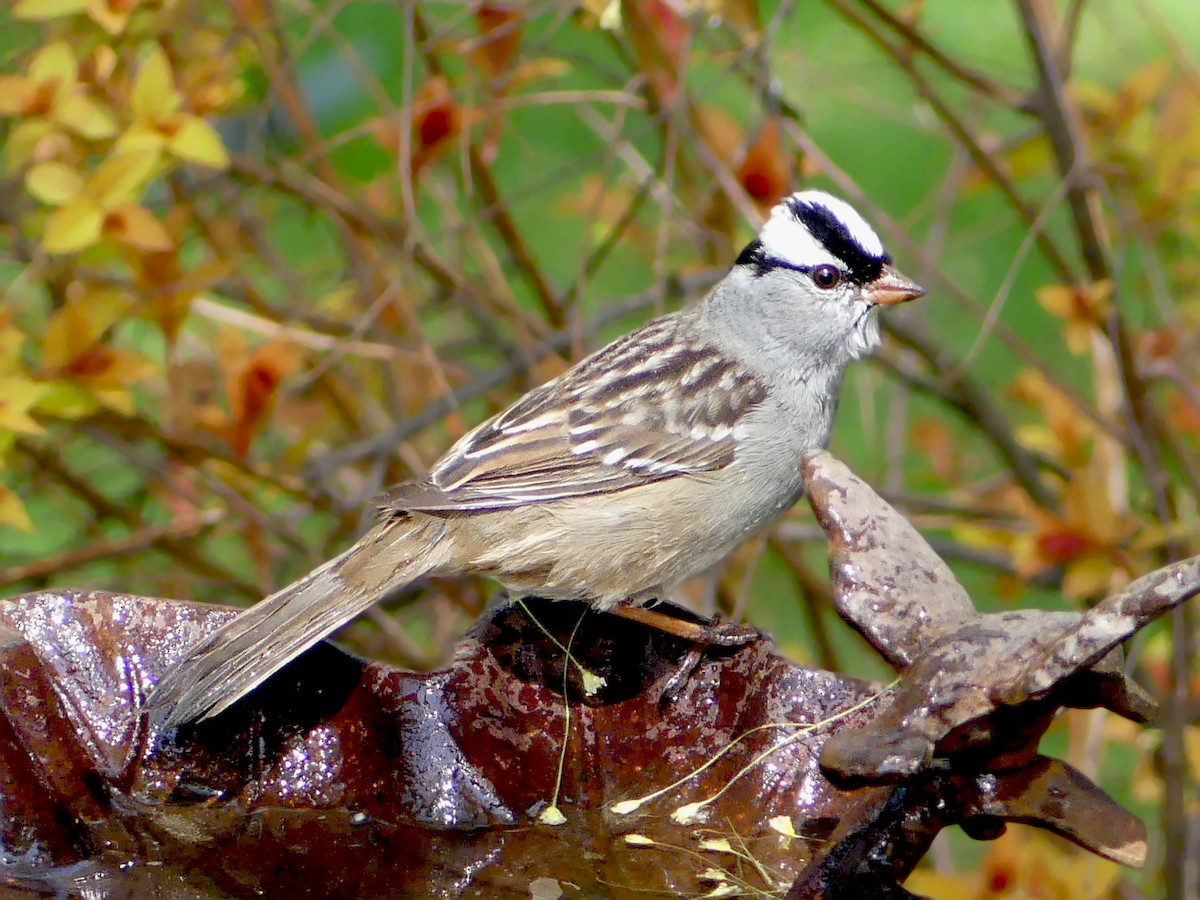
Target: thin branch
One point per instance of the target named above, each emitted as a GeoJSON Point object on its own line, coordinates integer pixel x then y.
{"type": "Point", "coordinates": [149, 538]}
{"type": "Point", "coordinates": [497, 211]}
{"type": "Point", "coordinates": [184, 551]}
{"type": "Point", "coordinates": [962, 134]}
{"type": "Point", "coordinates": [557, 343]}
{"type": "Point", "coordinates": [1004, 95]}
{"type": "Point", "coordinates": [975, 404]}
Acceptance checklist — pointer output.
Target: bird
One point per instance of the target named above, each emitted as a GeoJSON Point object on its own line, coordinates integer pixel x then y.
{"type": "Point", "coordinates": [640, 466]}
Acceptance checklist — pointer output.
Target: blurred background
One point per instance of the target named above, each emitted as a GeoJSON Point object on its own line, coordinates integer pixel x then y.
{"type": "Point", "coordinates": [261, 259]}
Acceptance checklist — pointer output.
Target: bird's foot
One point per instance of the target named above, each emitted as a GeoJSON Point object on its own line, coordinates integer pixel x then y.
{"type": "Point", "coordinates": [701, 636]}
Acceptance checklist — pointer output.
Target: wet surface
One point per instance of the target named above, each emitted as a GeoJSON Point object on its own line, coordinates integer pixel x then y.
{"type": "Point", "coordinates": [347, 778]}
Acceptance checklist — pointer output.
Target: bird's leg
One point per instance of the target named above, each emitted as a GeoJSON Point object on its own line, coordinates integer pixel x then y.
{"type": "Point", "coordinates": [720, 634]}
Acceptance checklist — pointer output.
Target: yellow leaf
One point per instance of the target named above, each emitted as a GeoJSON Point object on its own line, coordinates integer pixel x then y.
{"type": "Point", "coordinates": [981, 536]}
{"type": "Point", "coordinates": [112, 17]}
{"type": "Point", "coordinates": [1039, 438]}
{"type": "Point", "coordinates": [17, 395]}
{"type": "Point", "coordinates": [12, 511]}
{"type": "Point", "coordinates": [54, 63]}
{"type": "Point", "coordinates": [930, 883]}
{"type": "Point", "coordinates": [538, 70]}
{"type": "Point", "coordinates": [125, 368]}
{"type": "Point", "coordinates": [140, 138]}
{"type": "Point", "coordinates": [119, 400]}
{"type": "Point", "coordinates": [610, 16]}
{"type": "Point", "coordinates": [154, 95]}
{"type": "Point", "coordinates": [53, 183]}
{"type": "Point", "coordinates": [40, 10]}
{"type": "Point", "coordinates": [1077, 303]}
{"type": "Point", "coordinates": [64, 400]}
{"type": "Point", "coordinates": [11, 341]}
{"type": "Point", "coordinates": [27, 142]}
{"type": "Point", "coordinates": [121, 177]}
{"type": "Point", "coordinates": [73, 227]}
{"type": "Point", "coordinates": [1079, 336]}
{"type": "Point", "coordinates": [1025, 556]}
{"type": "Point", "coordinates": [76, 327]}
{"type": "Point", "coordinates": [1089, 576]}
{"type": "Point", "coordinates": [102, 63]}
{"type": "Point", "coordinates": [1145, 86]}
{"type": "Point", "coordinates": [198, 142]}
{"type": "Point", "coordinates": [84, 116]}
{"type": "Point", "coordinates": [68, 333]}
{"type": "Point", "coordinates": [784, 825]}
{"type": "Point", "coordinates": [73, 349]}
{"type": "Point", "coordinates": [1056, 299]}
{"type": "Point", "coordinates": [1022, 865]}
{"type": "Point", "coordinates": [136, 226]}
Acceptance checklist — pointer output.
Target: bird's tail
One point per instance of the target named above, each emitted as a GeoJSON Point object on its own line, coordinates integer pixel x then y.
{"type": "Point", "coordinates": [250, 648]}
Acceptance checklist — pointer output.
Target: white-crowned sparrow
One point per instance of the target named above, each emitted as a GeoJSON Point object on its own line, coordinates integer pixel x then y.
{"type": "Point", "coordinates": [640, 466]}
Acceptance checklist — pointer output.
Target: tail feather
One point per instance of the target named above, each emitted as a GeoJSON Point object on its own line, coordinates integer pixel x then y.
{"type": "Point", "coordinates": [249, 649]}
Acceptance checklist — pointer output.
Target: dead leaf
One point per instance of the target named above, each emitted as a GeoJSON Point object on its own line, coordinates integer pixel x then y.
{"type": "Point", "coordinates": [499, 40]}
{"type": "Point", "coordinates": [765, 173]}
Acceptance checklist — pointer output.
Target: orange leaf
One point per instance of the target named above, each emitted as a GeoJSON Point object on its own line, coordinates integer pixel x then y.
{"type": "Point", "coordinates": [742, 15]}
{"type": "Point", "coordinates": [436, 120]}
{"type": "Point", "coordinates": [134, 225]}
{"type": "Point", "coordinates": [659, 35]}
{"type": "Point", "coordinates": [1184, 415]}
{"type": "Point", "coordinates": [74, 331]}
{"type": "Point", "coordinates": [500, 37]}
{"type": "Point", "coordinates": [765, 173]}
{"type": "Point", "coordinates": [720, 131]}
{"type": "Point", "coordinates": [252, 389]}
{"type": "Point", "coordinates": [15, 94]}
{"type": "Point", "coordinates": [934, 442]}
{"type": "Point", "coordinates": [160, 277]}
{"type": "Point", "coordinates": [111, 15]}
{"type": "Point", "coordinates": [1083, 306]}
{"type": "Point", "coordinates": [1064, 544]}
{"type": "Point", "coordinates": [253, 11]}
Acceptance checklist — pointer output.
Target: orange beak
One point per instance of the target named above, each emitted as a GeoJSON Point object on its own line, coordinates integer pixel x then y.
{"type": "Point", "coordinates": [891, 287]}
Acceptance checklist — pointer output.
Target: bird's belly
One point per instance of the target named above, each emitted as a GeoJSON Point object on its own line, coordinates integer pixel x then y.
{"type": "Point", "coordinates": [630, 546]}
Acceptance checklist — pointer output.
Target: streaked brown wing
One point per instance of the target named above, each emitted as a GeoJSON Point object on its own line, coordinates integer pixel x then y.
{"type": "Point", "coordinates": [644, 408]}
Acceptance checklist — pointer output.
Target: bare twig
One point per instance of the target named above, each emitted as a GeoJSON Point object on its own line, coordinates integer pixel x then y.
{"type": "Point", "coordinates": [147, 538]}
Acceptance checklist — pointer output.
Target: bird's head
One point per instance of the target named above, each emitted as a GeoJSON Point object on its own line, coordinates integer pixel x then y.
{"type": "Point", "coordinates": [817, 272]}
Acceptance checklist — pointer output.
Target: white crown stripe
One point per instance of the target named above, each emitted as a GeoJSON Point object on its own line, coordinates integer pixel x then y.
{"type": "Point", "coordinates": [785, 238]}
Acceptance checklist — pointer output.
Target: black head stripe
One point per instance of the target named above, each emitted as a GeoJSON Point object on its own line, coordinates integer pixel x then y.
{"type": "Point", "coordinates": [755, 257]}
{"type": "Point", "coordinates": [833, 235]}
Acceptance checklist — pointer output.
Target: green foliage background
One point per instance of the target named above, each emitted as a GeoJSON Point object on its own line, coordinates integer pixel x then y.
{"type": "Point", "coordinates": [417, 211]}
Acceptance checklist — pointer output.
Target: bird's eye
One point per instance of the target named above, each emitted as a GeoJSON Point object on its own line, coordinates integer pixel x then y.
{"type": "Point", "coordinates": [826, 277]}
